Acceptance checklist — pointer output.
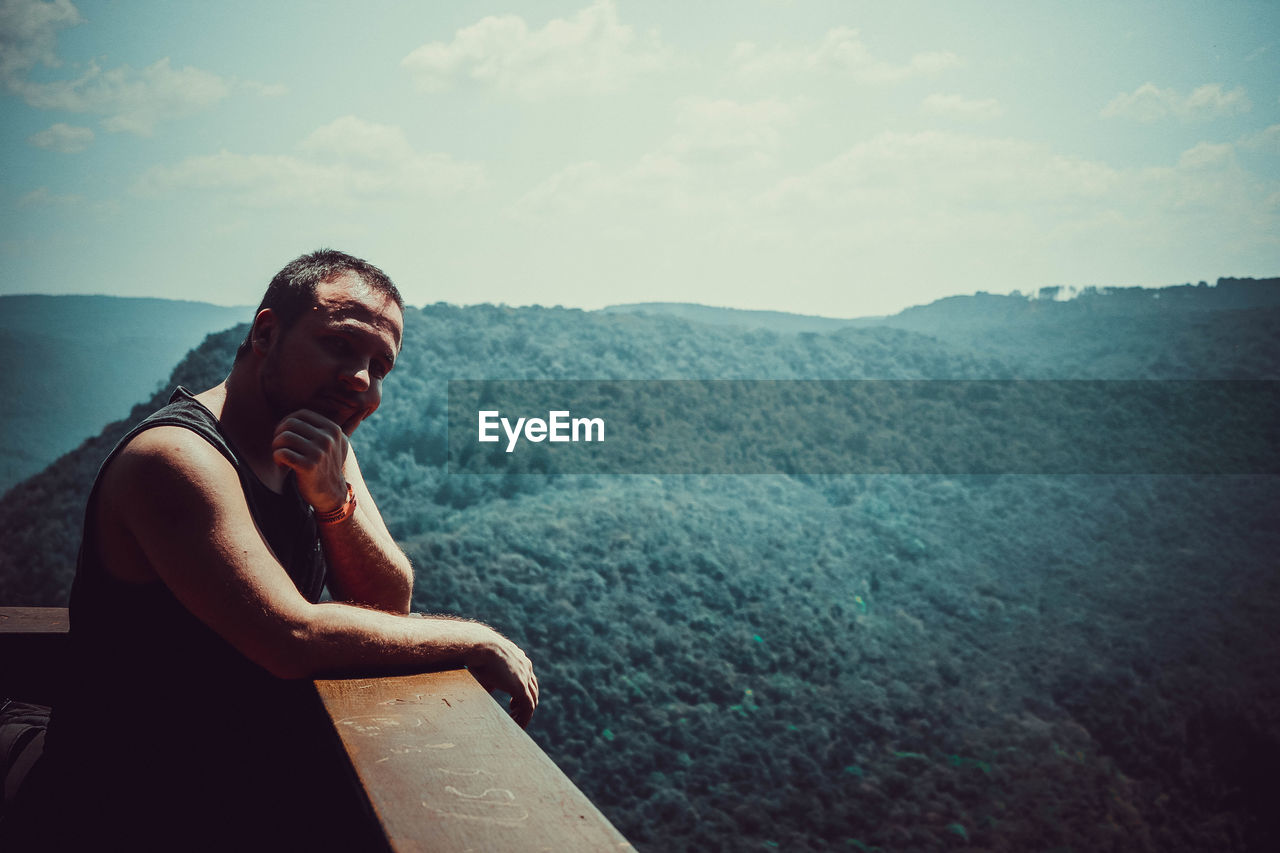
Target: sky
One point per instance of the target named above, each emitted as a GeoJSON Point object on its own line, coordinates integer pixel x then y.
{"type": "Point", "coordinates": [835, 158]}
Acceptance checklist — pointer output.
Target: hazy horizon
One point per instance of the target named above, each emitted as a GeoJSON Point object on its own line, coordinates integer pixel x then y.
{"type": "Point", "coordinates": [1068, 292]}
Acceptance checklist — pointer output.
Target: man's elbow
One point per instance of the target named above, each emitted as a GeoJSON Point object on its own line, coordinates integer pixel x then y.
{"type": "Point", "coordinates": [392, 594]}
{"type": "Point", "coordinates": [295, 652]}
{"type": "Point", "coordinates": [290, 670]}
{"type": "Point", "coordinates": [402, 600]}
{"type": "Point", "coordinates": [289, 660]}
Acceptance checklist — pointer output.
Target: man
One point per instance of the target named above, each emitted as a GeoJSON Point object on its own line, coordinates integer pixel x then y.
{"type": "Point", "coordinates": [196, 613]}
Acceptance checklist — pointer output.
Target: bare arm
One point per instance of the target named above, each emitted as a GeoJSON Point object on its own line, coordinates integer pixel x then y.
{"type": "Point", "coordinates": [181, 502]}
{"type": "Point", "coordinates": [365, 564]}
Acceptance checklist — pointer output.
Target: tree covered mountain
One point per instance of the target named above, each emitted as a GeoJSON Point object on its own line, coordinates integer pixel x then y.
{"type": "Point", "coordinates": [819, 662]}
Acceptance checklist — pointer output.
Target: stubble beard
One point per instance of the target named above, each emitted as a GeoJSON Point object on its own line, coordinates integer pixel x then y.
{"type": "Point", "coordinates": [271, 386]}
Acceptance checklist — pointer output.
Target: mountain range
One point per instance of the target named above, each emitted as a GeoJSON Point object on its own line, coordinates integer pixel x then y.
{"type": "Point", "coordinates": [997, 662]}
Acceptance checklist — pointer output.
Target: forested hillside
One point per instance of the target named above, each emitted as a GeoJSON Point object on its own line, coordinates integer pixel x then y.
{"type": "Point", "coordinates": [853, 663]}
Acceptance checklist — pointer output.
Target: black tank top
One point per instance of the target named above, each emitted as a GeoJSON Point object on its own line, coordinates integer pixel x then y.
{"type": "Point", "coordinates": [163, 726]}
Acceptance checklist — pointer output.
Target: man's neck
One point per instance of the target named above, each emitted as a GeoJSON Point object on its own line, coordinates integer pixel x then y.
{"type": "Point", "coordinates": [246, 419]}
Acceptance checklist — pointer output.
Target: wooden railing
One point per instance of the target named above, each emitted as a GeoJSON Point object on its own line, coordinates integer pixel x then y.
{"type": "Point", "coordinates": [441, 764]}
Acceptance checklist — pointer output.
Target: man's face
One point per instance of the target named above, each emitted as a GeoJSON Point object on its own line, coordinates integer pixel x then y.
{"type": "Point", "coordinates": [333, 359]}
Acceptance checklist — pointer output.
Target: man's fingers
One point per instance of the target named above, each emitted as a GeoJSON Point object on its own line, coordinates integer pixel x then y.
{"type": "Point", "coordinates": [513, 676]}
{"type": "Point", "coordinates": [487, 682]}
{"type": "Point", "coordinates": [521, 710]}
{"type": "Point", "coordinates": [289, 458]}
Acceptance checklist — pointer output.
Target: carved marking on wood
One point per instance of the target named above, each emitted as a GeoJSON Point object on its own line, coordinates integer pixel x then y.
{"type": "Point", "coordinates": [450, 771]}
{"type": "Point", "coordinates": [373, 725]}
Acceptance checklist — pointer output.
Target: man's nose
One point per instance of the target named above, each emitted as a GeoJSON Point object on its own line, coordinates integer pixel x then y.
{"type": "Point", "coordinates": [357, 377]}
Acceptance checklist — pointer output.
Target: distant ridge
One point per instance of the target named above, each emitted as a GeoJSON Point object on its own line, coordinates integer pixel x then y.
{"type": "Point", "coordinates": [778, 321]}
{"type": "Point", "coordinates": [987, 308]}
{"type": "Point", "coordinates": [75, 362]}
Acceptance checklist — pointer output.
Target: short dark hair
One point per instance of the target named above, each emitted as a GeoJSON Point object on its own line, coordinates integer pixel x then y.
{"type": "Point", "coordinates": [293, 290]}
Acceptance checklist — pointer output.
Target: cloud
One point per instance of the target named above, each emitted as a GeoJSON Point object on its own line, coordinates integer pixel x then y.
{"type": "Point", "coordinates": [933, 169]}
{"type": "Point", "coordinates": [354, 138]}
{"type": "Point", "coordinates": [1150, 103]}
{"type": "Point", "coordinates": [265, 90]}
{"type": "Point", "coordinates": [588, 52]}
{"type": "Point", "coordinates": [42, 197]}
{"type": "Point", "coordinates": [1207, 184]}
{"type": "Point", "coordinates": [130, 100]}
{"type": "Point", "coordinates": [717, 151]}
{"type": "Point", "coordinates": [1265, 141]}
{"type": "Point", "coordinates": [960, 107]}
{"type": "Point", "coordinates": [840, 53]}
{"type": "Point", "coordinates": [29, 35]}
{"type": "Point", "coordinates": [344, 163]}
{"type": "Point", "coordinates": [63, 138]}
{"type": "Point", "coordinates": [1017, 202]}
{"type": "Point", "coordinates": [719, 131]}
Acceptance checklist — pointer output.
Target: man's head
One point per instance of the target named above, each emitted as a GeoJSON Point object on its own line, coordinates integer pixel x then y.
{"type": "Point", "coordinates": [326, 334]}
{"type": "Point", "coordinates": [293, 290]}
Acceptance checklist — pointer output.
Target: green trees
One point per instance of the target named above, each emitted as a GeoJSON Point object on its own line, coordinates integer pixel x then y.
{"type": "Point", "coordinates": [823, 662]}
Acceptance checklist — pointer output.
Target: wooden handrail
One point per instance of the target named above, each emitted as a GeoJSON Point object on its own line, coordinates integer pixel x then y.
{"type": "Point", "coordinates": [445, 768]}
{"type": "Point", "coordinates": [441, 764]}
{"type": "Point", "coordinates": [33, 648]}
{"type": "Point", "coordinates": [34, 621]}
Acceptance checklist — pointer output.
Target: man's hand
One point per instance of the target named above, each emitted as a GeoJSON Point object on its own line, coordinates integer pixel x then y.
{"type": "Point", "coordinates": [315, 448]}
{"type": "Point", "coordinates": [502, 665]}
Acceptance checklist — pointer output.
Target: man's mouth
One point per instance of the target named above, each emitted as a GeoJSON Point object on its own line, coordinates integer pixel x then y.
{"type": "Point", "coordinates": [337, 410]}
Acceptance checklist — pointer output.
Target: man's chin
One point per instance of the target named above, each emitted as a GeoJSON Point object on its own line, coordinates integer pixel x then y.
{"type": "Point", "coordinates": [346, 419]}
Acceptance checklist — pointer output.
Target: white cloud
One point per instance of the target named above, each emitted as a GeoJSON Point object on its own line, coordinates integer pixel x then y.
{"type": "Point", "coordinates": [717, 151]}
{"type": "Point", "coordinates": [947, 195]}
{"type": "Point", "coordinates": [265, 90]}
{"type": "Point", "coordinates": [1207, 184]}
{"type": "Point", "coordinates": [588, 52]}
{"type": "Point", "coordinates": [840, 53]}
{"type": "Point", "coordinates": [1266, 141]}
{"type": "Point", "coordinates": [63, 138]}
{"type": "Point", "coordinates": [344, 163]}
{"type": "Point", "coordinates": [130, 100]}
{"type": "Point", "coordinates": [960, 107]}
{"type": "Point", "coordinates": [354, 138]}
{"type": "Point", "coordinates": [42, 197]}
{"type": "Point", "coordinates": [933, 170]}
{"type": "Point", "coordinates": [725, 132]}
{"type": "Point", "coordinates": [29, 34]}
{"type": "Point", "coordinates": [1150, 103]}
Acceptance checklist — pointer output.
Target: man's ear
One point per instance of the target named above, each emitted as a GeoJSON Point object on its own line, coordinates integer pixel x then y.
{"type": "Point", "coordinates": [265, 329]}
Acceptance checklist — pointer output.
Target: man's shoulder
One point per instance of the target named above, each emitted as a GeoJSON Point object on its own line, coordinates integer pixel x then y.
{"type": "Point", "coordinates": [165, 455]}
{"type": "Point", "coordinates": [164, 484]}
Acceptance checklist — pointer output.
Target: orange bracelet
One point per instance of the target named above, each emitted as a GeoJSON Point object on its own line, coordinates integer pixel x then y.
{"type": "Point", "coordinates": [342, 513]}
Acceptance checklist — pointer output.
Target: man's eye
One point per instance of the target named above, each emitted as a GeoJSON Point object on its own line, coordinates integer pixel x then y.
{"type": "Point", "coordinates": [338, 346]}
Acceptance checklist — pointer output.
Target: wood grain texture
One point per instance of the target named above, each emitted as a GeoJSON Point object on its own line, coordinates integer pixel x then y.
{"type": "Point", "coordinates": [33, 653]}
{"type": "Point", "coordinates": [446, 769]}
{"type": "Point", "coordinates": [34, 620]}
